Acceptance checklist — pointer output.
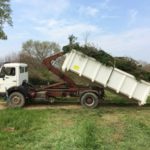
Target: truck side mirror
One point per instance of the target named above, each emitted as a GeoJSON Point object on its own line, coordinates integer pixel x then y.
{"type": "Point", "coordinates": [2, 75]}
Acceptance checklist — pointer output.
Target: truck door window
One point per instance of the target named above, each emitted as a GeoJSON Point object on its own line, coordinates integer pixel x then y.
{"type": "Point", "coordinates": [9, 71]}
{"type": "Point", "coordinates": [26, 69]}
{"type": "Point", "coordinates": [22, 69]}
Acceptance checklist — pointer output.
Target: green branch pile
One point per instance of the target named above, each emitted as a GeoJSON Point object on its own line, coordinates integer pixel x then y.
{"type": "Point", "coordinates": [91, 51]}
{"type": "Point", "coordinates": [123, 63]}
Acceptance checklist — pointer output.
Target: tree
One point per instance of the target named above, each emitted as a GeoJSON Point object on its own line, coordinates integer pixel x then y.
{"type": "Point", "coordinates": [146, 67]}
{"type": "Point", "coordinates": [40, 50]}
{"type": "Point", "coordinates": [72, 44]}
{"type": "Point", "coordinates": [72, 39]}
{"type": "Point", "coordinates": [5, 17]}
{"type": "Point", "coordinates": [33, 52]}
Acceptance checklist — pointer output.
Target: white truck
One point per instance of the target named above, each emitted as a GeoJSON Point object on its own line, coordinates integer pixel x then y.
{"type": "Point", "coordinates": [14, 82]}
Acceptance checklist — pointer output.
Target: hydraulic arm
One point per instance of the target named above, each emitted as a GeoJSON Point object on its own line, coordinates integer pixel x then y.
{"type": "Point", "coordinates": [48, 63]}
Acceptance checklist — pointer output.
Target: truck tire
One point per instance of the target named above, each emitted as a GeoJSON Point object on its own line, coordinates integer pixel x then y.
{"type": "Point", "coordinates": [89, 100]}
{"type": "Point", "coordinates": [16, 100]}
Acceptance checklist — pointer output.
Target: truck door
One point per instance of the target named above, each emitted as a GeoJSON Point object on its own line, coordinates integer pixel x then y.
{"type": "Point", "coordinates": [9, 79]}
{"type": "Point", "coordinates": [2, 90]}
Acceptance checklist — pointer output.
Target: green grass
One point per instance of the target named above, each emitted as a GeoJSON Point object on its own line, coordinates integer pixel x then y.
{"type": "Point", "coordinates": [1, 99]}
{"type": "Point", "coordinates": [118, 127]}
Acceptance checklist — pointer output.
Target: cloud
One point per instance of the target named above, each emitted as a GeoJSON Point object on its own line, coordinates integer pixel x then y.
{"type": "Point", "coordinates": [50, 23]}
{"type": "Point", "coordinates": [18, 1]}
{"type": "Point", "coordinates": [109, 16]}
{"type": "Point", "coordinates": [101, 9]}
{"type": "Point", "coordinates": [133, 42]}
{"type": "Point", "coordinates": [105, 4]}
{"type": "Point", "coordinates": [56, 20]}
{"type": "Point", "coordinates": [58, 30]}
{"type": "Point", "coordinates": [43, 6]}
{"type": "Point", "coordinates": [132, 16]}
{"type": "Point", "coordinates": [88, 11]}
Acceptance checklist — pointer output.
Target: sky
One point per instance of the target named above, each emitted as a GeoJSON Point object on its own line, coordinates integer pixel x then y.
{"type": "Point", "coordinates": [121, 28]}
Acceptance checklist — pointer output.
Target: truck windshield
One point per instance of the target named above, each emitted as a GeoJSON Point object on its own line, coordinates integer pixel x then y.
{"type": "Point", "coordinates": [9, 71]}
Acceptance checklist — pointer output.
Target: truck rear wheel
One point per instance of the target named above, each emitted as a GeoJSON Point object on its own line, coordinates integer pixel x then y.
{"type": "Point", "coordinates": [16, 100]}
{"type": "Point", "coordinates": [89, 100]}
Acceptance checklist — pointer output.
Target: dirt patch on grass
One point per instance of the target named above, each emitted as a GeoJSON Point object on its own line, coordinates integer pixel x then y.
{"type": "Point", "coordinates": [53, 106]}
{"type": "Point", "coordinates": [45, 106]}
{"type": "Point", "coordinates": [110, 118]}
{"type": "Point", "coordinates": [10, 129]}
{"type": "Point", "coordinates": [114, 120]}
{"type": "Point", "coordinates": [3, 105]}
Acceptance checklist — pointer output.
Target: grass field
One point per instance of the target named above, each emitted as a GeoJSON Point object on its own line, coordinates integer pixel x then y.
{"type": "Point", "coordinates": [119, 126]}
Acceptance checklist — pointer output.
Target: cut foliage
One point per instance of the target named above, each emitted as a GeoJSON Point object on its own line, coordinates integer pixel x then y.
{"type": "Point", "coordinates": [126, 64]}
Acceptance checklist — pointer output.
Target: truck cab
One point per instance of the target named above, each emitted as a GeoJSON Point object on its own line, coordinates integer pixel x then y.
{"type": "Point", "coordinates": [12, 75]}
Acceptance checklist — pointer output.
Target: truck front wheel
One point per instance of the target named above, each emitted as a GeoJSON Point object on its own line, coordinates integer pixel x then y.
{"type": "Point", "coordinates": [89, 100]}
{"type": "Point", "coordinates": [16, 100]}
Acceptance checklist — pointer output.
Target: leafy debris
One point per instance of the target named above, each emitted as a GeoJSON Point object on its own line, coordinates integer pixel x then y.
{"type": "Point", "coordinates": [126, 64]}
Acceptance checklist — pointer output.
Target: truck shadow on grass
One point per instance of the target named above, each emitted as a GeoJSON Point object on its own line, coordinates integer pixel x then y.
{"type": "Point", "coordinates": [77, 105]}
{"type": "Point", "coordinates": [107, 104]}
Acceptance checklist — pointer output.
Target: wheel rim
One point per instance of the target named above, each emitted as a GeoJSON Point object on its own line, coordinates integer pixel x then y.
{"type": "Point", "coordinates": [16, 100]}
{"type": "Point", "coordinates": [89, 101]}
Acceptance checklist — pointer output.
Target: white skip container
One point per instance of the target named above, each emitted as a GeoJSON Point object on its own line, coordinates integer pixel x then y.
{"type": "Point", "coordinates": [115, 79]}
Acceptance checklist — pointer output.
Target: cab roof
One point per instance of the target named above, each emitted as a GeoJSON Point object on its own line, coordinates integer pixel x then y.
{"type": "Point", "coordinates": [15, 65]}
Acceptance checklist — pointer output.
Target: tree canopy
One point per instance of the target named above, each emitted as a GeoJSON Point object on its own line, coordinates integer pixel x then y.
{"type": "Point", "coordinates": [33, 53]}
{"type": "Point", "coordinates": [40, 50]}
{"type": "Point", "coordinates": [5, 17]}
